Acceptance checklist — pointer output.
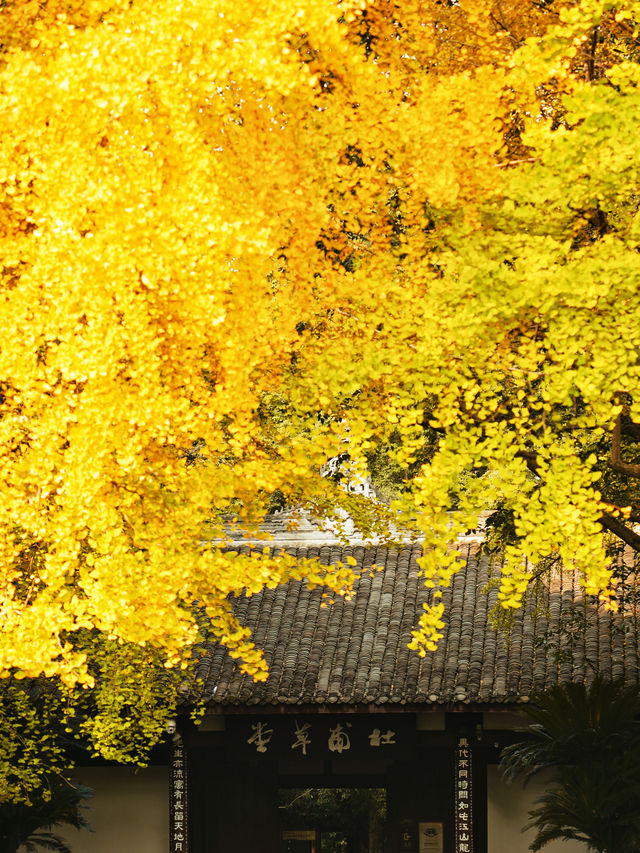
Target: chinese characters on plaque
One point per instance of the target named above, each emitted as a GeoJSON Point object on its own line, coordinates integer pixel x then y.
{"type": "Point", "coordinates": [336, 737]}
{"type": "Point", "coordinates": [261, 736]}
{"type": "Point", "coordinates": [379, 738]}
{"type": "Point", "coordinates": [339, 740]}
{"type": "Point", "coordinates": [178, 794]}
{"type": "Point", "coordinates": [463, 804]}
{"type": "Point", "coordinates": [302, 739]}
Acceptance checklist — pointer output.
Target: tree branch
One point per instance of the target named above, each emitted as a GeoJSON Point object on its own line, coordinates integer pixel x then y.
{"type": "Point", "coordinates": [591, 56]}
{"type": "Point", "coordinates": [530, 458]}
{"type": "Point", "coordinates": [629, 513]}
{"type": "Point", "coordinates": [629, 468]}
{"type": "Point", "coordinates": [615, 526]}
{"type": "Point", "coordinates": [609, 522]}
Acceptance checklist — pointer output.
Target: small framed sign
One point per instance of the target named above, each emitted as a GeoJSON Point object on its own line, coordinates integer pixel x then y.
{"type": "Point", "coordinates": [298, 835]}
{"type": "Point", "coordinates": [430, 835]}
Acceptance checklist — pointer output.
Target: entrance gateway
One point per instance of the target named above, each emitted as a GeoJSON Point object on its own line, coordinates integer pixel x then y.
{"type": "Point", "coordinates": [355, 744]}
{"type": "Point", "coordinates": [333, 783]}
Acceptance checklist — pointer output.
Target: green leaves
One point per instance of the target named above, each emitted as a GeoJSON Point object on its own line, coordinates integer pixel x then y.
{"type": "Point", "coordinates": [589, 737]}
{"type": "Point", "coordinates": [29, 826]}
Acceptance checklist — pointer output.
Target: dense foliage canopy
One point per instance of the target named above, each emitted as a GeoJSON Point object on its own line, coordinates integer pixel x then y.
{"type": "Point", "coordinates": [587, 740]}
{"type": "Point", "coordinates": [236, 240]}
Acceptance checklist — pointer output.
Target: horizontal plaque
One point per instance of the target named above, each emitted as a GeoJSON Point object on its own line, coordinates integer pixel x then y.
{"type": "Point", "coordinates": [321, 736]}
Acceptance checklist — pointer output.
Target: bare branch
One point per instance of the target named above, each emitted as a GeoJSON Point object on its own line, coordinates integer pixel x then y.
{"type": "Point", "coordinates": [629, 513]}
{"type": "Point", "coordinates": [609, 522]}
{"type": "Point", "coordinates": [515, 162]}
{"type": "Point", "coordinates": [629, 468]}
{"type": "Point", "coordinates": [615, 526]}
{"type": "Point", "coordinates": [591, 56]}
{"type": "Point", "coordinates": [530, 458]}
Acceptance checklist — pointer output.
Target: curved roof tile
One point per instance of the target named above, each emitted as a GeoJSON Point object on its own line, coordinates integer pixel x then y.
{"type": "Point", "coordinates": [355, 651]}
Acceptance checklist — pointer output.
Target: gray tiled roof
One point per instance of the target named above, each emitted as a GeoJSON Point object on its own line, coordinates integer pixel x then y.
{"type": "Point", "coordinates": [355, 652]}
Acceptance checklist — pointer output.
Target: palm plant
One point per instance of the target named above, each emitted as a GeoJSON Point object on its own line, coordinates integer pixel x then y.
{"type": "Point", "coordinates": [29, 825]}
{"type": "Point", "coordinates": [588, 737]}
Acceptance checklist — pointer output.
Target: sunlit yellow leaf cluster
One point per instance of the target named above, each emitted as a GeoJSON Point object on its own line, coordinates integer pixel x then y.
{"type": "Point", "coordinates": [235, 237]}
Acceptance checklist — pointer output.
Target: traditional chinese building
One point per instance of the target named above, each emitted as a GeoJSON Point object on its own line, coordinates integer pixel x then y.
{"type": "Point", "coordinates": [351, 715]}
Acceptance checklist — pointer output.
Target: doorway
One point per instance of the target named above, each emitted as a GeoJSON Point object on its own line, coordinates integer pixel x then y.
{"type": "Point", "coordinates": [332, 820]}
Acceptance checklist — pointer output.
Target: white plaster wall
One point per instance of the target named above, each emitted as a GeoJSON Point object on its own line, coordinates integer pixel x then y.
{"type": "Point", "coordinates": [129, 811]}
{"type": "Point", "coordinates": [507, 812]}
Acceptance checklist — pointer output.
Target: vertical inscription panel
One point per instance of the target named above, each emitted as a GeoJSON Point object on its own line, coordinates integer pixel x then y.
{"type": "Point", "coordinates": [463, 797]}
{"type": "Point", "coordinates": [178, 842]}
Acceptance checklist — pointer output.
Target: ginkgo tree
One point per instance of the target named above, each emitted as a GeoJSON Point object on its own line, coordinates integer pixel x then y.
{"type": "Point", "coordinates": [234, 237]}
